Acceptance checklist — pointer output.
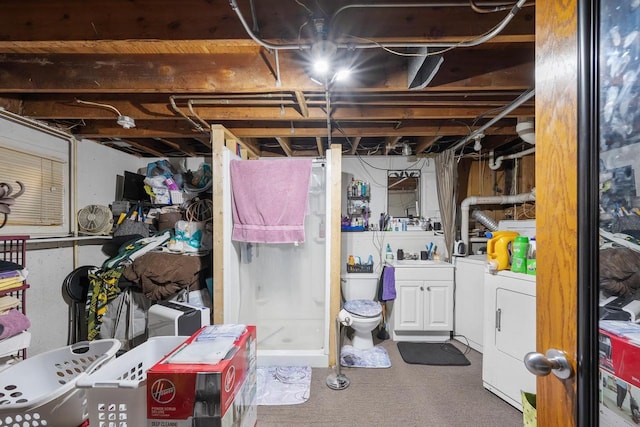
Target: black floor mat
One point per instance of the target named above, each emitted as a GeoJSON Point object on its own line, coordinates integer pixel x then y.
{"type": "Point", "coordinates": [427, 353]}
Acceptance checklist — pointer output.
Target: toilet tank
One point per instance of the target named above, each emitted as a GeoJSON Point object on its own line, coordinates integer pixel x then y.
{"type": "Point", "coordinates": [359, 286]}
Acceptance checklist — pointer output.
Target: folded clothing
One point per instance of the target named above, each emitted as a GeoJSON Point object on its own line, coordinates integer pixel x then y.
{"type": "Point", "coordinates": [8, 266]}
{"type": "Point", "coordinates": [12, 323]}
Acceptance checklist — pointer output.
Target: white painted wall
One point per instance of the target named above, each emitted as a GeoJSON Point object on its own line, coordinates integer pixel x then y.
{"type": "Point", "coordinates": [365, 243]}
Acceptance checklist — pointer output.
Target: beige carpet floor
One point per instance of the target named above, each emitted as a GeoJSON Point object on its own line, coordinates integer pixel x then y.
{"type": "Point", "coordinates": [403, 395]}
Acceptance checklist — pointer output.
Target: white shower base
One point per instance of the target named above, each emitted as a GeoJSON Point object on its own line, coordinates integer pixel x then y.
{"type": "Point", "coordinates": [291, 343]}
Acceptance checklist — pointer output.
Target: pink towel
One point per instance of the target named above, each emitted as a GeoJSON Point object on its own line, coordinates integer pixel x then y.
{"type": "Point", "coordinates": [13, 323]}
{"type": "Point", "coordinates": [270, 199]}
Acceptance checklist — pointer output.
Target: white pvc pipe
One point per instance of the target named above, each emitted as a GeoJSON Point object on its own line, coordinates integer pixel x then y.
{"type": "Point", "coordinates": [487, 200]}
{"type": "Point", "coordinates": [497, 162]}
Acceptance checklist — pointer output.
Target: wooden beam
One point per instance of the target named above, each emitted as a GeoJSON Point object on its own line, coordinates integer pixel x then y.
{"type": "Point", "coordinates": [285, 143]}
{"type": "Point", "coordinates": [160, 111]}
{"type": "Point", "coordinates": [130, 47]}
{"type": "Point", "coordinates": [335, 250]}
{"type": "Point", "coordinates": [320, 146]}
{"type": "Point", "coordinates": [302, 103]}
{"type": "Point", "coordinates": [219, 192]}
{"type": "Point", "coordinates": [145, 148]}
{"type": "Point", "coordinates": [207, 73]}
{"type": "Point", "coordinates": [181, 129]}
{"type": "Point", "coordinates": [69, 20]}
{"type": "Point", "coordinates": [176, 146]}
{"type": "Point", "coordinates": [426, 142]}
{"type": "Point", "coordinates": [354, 144]}
{"type": "Point", "coordinates": [391, 142]}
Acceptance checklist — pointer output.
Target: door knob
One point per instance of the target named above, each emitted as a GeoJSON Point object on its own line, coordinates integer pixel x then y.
{"type": "Point", "coordinates": [553, 361]}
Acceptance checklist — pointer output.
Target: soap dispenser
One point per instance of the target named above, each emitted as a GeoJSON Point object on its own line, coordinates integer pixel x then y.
{"type": "Point", "coordinates": [389, 254]}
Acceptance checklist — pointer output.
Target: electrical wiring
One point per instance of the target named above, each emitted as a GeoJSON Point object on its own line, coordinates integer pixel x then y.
{"type": "Point", "coordinates": [305, 6]}
{"type": "Point", "coordinates": [97, 104]}
{"type": "Point", "coordinates": [464, 43]}
{"type": "Point", "coordinates": [377, 239]}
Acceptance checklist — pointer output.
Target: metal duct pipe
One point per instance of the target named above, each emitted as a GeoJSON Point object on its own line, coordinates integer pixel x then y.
{"type": "Point", "coordinates": [487, 200]}
{"type": "Point", "coordinates": [497, 162]}
{"type": "Point", "coordinates": [484, 220]}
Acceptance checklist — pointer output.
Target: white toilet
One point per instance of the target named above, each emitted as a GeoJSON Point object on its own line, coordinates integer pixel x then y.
{"type": "Point", "coordinates": [360, 310]}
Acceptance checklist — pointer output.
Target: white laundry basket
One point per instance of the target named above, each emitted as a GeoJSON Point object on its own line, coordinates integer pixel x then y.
{"type": "Point", "coordinates": [41, 390]}
{"type": "Point", "coordinates": [117, 394]}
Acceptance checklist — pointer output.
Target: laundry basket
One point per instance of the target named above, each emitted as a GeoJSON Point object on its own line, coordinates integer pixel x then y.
{"type": "Point", "coordinates": [117, 394]}
{"type": "Point", "coordinates": [41, 390]}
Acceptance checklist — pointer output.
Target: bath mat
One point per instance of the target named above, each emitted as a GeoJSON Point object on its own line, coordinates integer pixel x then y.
{"type": "Point", "coordinates": [283, 385]}
{"type": "Point", "coordinates": [427, 353]}
{"type": "Point", "coordinates": [375, 357]}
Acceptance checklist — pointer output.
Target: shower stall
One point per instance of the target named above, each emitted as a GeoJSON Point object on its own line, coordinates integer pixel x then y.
{"type": "Point", "coordinates": [283, 289]}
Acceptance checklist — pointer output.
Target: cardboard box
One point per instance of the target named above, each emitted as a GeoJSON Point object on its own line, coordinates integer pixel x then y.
{"type": "Point", "coordinates": [619, 374]}
{"type": "Point", "coordinates": [190, 388]}
{"type": "Point", "coordinates": [619, 349]}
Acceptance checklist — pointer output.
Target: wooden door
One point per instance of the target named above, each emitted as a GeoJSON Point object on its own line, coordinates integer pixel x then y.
{"type": "Point", "coordinates": [557, 202]}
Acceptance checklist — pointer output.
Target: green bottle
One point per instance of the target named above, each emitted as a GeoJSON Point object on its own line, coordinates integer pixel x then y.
{"type": "Point", "coordinates": [519, 251]}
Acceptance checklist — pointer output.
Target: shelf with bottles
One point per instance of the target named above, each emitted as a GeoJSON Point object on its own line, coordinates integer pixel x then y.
{"type": "Point", "coordinates": [358, 190]}
{"type": "Point", "coordinates": [358, 211]}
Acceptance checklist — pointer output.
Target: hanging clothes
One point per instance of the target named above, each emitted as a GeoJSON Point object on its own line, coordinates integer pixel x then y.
{"type": "Point", "coordinates": [102, 289]}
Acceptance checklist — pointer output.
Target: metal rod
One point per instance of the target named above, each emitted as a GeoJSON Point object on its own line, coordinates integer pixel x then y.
{"type": "Point", "coordinates": [337, 380]}
{"type": "Point", "coordinates": [327, 100]}
{"type": "Point", "coordinates": [298, 46]}
{"type": "Point", "coordinates": [515, 104]}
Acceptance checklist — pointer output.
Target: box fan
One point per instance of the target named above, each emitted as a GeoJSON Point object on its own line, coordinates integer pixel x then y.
{"type": "Point", "coordinates": [95, 220]}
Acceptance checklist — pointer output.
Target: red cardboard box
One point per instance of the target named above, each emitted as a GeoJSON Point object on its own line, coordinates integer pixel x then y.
{"type": "Point", "coordinates": [619, 349]}
{"type": "Point", "coordinates": [190, 387]}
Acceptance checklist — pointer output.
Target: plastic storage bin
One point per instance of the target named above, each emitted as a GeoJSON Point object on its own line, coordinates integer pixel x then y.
{"type": "Point", "coordinates": [117, 395]}
{"type": "Point", "coordinates": [41, 390]}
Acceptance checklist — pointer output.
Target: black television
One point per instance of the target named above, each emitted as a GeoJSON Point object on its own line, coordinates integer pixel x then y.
{"type": "Point", "coordinates": [133, 188]}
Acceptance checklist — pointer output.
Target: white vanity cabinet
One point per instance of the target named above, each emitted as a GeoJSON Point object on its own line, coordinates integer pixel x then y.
{"type": "Point", "coordinates": [509, 334]}
{"type": "Point", "coordinates": [423, 308]}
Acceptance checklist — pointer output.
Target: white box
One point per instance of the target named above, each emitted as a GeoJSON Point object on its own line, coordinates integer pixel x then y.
{"type": "Point", "coordinates": [176, 318]}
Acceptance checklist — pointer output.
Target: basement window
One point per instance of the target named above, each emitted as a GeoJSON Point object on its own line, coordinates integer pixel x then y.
{"type": "Point", "coordinates": [42, 202]}
{"type": "Point", "coordinates": [39, 157]}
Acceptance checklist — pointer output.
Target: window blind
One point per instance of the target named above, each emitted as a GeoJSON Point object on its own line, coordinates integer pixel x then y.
{"type": "Point", "coordinates": [42, 203]}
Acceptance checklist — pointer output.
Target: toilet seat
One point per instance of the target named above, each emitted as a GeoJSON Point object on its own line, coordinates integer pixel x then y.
{"type": "Point", "coordinates": [363, 307]}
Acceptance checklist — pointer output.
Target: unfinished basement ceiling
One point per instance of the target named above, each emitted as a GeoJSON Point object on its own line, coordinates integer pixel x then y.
{"type": "Point", "coordinates": [176, 67]}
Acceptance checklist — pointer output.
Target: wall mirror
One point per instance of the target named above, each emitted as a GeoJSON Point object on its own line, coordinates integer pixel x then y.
{"type": "Point", "coordinates": [403, 193]}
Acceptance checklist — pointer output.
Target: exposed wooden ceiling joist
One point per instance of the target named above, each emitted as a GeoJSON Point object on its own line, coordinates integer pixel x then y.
{"type": "Point", "coordinates": [139, 56]}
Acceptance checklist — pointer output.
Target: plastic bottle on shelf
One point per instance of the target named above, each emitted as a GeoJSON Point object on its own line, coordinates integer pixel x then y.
{"type": "Point", "coordinates": [531, 257]}
{"type": "Point", "coordinates": [389, 254]}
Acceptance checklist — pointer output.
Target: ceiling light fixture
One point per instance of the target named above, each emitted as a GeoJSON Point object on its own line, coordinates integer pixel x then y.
{"type": "Point", "coordinates": [325, 64]}
{"type": "Point", "coordinates": [124, 121]}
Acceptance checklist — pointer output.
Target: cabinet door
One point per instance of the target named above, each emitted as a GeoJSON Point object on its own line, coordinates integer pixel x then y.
{"type": "Point", "coordinates": [438, 303]}
{"type": "Point", "coordinates": [409, 305]}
